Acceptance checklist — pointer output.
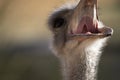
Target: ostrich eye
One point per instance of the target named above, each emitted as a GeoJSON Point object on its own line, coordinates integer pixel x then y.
{"type": "Point", "coordinates": [59, 22]}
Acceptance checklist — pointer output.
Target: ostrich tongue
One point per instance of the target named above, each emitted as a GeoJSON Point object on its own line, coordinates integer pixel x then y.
{"type": "Point", "coordinates": [87, 26]}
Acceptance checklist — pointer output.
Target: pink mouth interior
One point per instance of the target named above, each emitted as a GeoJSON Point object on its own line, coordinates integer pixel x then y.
{"type": "Point", "coordinates": [87, 26]}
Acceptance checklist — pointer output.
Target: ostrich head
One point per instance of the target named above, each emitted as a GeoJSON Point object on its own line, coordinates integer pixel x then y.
{"type": "Point", "coordinates": [77, 25]}
{"type": "Point", "coordinates": [78, 36]}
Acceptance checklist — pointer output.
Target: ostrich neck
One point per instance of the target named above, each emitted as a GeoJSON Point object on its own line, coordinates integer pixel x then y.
{"type": "Point", "coordinates": [80, 66]}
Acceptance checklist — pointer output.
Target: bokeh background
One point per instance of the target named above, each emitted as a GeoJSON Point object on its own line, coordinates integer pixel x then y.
{"type": "Point", "coordinates": [24, 40]}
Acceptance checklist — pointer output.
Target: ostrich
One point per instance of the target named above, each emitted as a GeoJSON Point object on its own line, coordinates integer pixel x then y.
{"type": "Point", "coordinates": [78, 36]}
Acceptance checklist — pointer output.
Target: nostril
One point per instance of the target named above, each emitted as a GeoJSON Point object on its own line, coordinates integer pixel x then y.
{"type": "Point", "coordinates": [89, 2]}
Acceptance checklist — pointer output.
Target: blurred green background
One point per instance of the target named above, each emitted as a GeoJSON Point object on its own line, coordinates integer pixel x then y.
{"type": "Point", "coordinates": [24, 40]}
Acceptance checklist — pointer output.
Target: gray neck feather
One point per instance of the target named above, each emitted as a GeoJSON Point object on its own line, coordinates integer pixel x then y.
{"type": "Point", "coordinates": [82, 66]}
{"type": "Point", "coordinates": [80, 60]}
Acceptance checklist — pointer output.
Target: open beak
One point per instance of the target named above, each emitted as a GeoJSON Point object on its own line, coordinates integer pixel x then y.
{"type": "Point", "coordinates": [84, 21]}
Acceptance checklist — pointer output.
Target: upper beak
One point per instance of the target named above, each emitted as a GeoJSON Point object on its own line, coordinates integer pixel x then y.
{"type": "Point", "coordinates": [85, 8]}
